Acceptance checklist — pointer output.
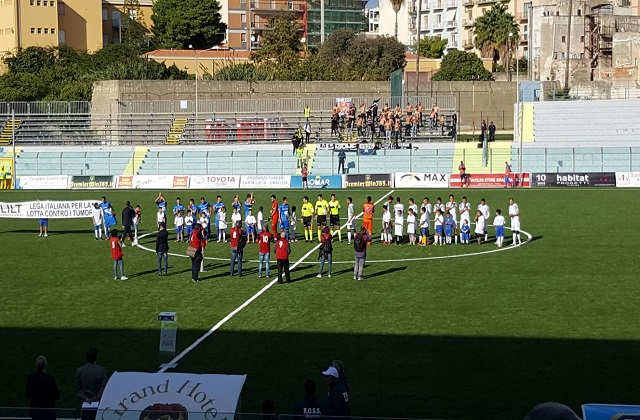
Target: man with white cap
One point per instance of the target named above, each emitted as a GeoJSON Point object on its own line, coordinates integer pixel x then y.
{"type": "Point", "coordinates": [338, 394]}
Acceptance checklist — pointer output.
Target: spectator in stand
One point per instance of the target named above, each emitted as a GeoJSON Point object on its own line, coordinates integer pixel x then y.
{"type": "Point", "coordinates": [337, 393]}
{"type": "Point", "coordinates": [551, 411]}
{"type": "Point", "coordinates": [307, 131]}
{"type": "Point", "coordinates": [300, 155]}
{"type": "Point", "coordinates": [91, 378]}
{"type": "Point", "coordinates": [283, 249]}
{"type": "Point", "coordinates": [309, 406]}
{"type": "Point", "coordinates": [342, 157]}
{"type": "Point", "coordinates": [483, 130]}
{"type": "Point", "coordinates": [419, 111]}
{"type": "Point", "coordinates": [492, 131]}
{"type": "Point", "coordinates": [335, 119]}
{"type": "Point", "coordinates": [295, 141]}
{"type": "Point", "coordinates": [43, 392]}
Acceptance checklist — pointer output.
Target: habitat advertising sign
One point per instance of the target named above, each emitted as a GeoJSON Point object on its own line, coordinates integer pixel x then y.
{"type": "Point", "coordinates": [47, 209]}
{"type": "Point", "coordinates": [318, 181]}
{"type": "Point", "coordinates": [56, 182]}
{"type": "Point", "coordinates": [628, 179]}
{"type": "Point", "coordinates": [421, 180]}
{"type": "Point", "coordinates": [138, 396]}
{"type": "Point", "coordinates": [575, 179]}
{"type": "Point", "coordinates": [610, 412]}
{"type": "Point", "coordinates": [265, 181]}
{"type": "Point", "coordinates": [214, 181]}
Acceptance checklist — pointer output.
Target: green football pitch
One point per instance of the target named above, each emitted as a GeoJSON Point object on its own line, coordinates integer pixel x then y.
{"type": "Point", "coordinates": [434, 332]}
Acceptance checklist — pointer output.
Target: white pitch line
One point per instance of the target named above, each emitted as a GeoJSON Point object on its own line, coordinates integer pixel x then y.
{"type": "Point", "coordinates": [224, 320]}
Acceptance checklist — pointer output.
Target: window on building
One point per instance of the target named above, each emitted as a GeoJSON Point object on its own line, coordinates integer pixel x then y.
{"type": "Point", "coordinates": [105, 15]}
{"type": "Point", "coordinates": [61, 10]}
{"type": "Point", "coordinates": [579, 12]}
{"type": "Point", "coordinates": [32, 2]}
{"type": "Point", "coordinates": [243, 37]}
{"type": "Point", "coordinates": [33, 30]}
{"type": "Point", "coordinates": [52, 3]}
{"type": "Point", "coordinates": [46, 31]}
{"type": "Point", "coordinates": [53, 31]}
{"type": "Point", "coordinates": [291, 4]}
{"type": "Point", "coordinates": [45, 3]}
{"type": "Point", "coordinates": [526, 29]}
{"type": "Point", "coordinates": [582, 39]}
{"type": "Point", "coordinates": [439, 19]}
{"type": "Point", "coordinates": [564, 39]}
{"type": "Point", "coordinates": [61, 37]}
{"type": "Point", "coordinates": [39, 31]}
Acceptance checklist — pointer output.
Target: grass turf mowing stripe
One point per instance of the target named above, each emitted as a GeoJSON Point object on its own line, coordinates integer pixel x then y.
{"type": "Point", "coordinates": [175, 360]}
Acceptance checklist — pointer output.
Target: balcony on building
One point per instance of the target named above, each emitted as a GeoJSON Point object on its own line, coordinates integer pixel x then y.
{"type": "Point", "coordinates": [524, 39]}
{"type": "Point", "coordinates": [467, 23]}
{"type": "Point", "coordinates": [522, 17]}
{"type": "Point", "coordinates": [467, 3]}
{"type": "Point", "coordinates": [467, 44]}
{"type": "Point", "coordinates": [451, 24]}
{"type": "Point", "coordinates": [437, 5]}
{"type": "Point", "coordinates": [435, 26]}
{"type": "Point", "coordinates": [274, 6]}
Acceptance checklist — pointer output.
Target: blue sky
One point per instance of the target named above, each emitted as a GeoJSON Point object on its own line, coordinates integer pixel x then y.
{"type": "Point", "coordinates": [372, 3]}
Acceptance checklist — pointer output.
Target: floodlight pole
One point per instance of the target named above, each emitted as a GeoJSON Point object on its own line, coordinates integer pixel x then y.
{"type": "Point", "coordinates": [14, 179]}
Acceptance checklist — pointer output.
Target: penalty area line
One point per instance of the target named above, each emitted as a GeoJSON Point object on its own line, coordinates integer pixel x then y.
{"type": "Point", "coordinates": [174, 362]}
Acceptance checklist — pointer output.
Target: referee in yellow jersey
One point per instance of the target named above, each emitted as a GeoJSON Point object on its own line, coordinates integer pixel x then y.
{"type": "Point", "coordinates": [334, 216]}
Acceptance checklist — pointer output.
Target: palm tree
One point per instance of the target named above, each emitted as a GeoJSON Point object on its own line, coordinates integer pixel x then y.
{"type": "Point", "coordinates": [491, 33]}
{"type": "Point", "coordinates": [396, 5]}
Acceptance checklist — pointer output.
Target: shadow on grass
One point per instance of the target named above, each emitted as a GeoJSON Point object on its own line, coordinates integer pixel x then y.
{"type": "Point", "coordinates": [389, 375]}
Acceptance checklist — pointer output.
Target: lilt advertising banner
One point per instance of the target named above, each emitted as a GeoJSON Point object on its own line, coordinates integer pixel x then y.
{"type": "Point", "coordinates": [575, 179]}
{"type": "Point", "coordinates": [47, 209]}
{"type": "Point", "coordinates": [139, 396]}
{"type": "Point", "coordinates": [421, 180]}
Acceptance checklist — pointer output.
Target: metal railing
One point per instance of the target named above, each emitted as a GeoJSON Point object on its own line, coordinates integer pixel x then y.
{"type": "Point", "coordinates": [622, 159]}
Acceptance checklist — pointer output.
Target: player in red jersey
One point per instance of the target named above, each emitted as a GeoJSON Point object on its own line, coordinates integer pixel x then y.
{"type": "Point", "coordinates": [275, 215]}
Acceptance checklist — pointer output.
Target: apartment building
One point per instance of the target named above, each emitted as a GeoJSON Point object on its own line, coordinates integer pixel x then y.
{"type": "Point", "coordinates": [373, 18]}
{"type": "Point", "coordinates": [439, 18]}
{"type": "Point", "coordinates": [113, 19]}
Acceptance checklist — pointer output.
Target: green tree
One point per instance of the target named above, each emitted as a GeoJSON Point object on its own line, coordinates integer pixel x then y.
{"type": "Point", "coordinates": [134, 31]}
{"type": "Point", "coordinates": [180, 23]}
{"type": "Point", "coordinates": [431, 47]}
{"type": "Point", "coordinates": [460, 65]}
{"type": "Point", "coordinates": [281, 44]}
{"type": "Point", "coordinates": [336, 45]}
{"type": "Point", "coordinates": [30, 60]}
{"type": "Point", "coordinates": [373, 58]}
{"type": "Point", "coordinates": [396, 5]}
{"type": "Point", "coordinates": [492, 31]}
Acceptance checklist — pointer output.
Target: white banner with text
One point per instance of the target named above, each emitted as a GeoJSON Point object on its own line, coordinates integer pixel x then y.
{"type": "Point", "coordinates": [214, 181]}
{"type": "Point", "coordinates": [265, 181]}
{"type": "Point", "coordinates": [421, 180]}
{"type": "Point", "coordinates": [47, 209]}
{"type": "Point", "coordinates": [138, 395]}
{"type": "Point", "coordinates": [55, 182]}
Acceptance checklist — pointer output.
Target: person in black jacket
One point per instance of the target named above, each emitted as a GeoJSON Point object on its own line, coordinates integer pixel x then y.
{"type": "Point", "coordinates": [309, 406]}
{"type": "Point", "coordinates": [162, 249]}
{"type": "Point", "coordinates": [338, 394]}
{"type": "Point", "coordinates": [128, 213]}
{"type": "Point", "coordinates": [43, 392]}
